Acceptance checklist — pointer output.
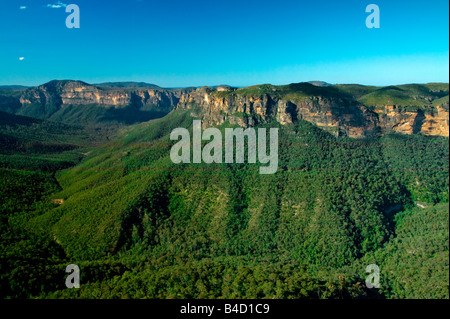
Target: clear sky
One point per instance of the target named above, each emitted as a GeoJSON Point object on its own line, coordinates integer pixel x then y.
{"type": "Point", "coordinates": [175, 43]}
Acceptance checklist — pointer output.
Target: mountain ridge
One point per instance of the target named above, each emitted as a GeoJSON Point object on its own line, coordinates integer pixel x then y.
{"type": "Point", "coordinates": [77, 102]}
{"type": "Point", "coordinates": [129, 84]}
{"type": "Point", "coordinates": [337, 110]}
{"type": "Point", "coordinates": [343, 109]}
{"type": "Point", "coordinates": [127, 215]}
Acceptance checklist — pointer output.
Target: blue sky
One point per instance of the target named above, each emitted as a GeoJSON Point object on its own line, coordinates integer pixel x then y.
{"type": "Point", "coordinates": [176, 43]}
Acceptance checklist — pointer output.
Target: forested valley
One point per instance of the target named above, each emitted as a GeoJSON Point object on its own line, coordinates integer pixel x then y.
{"type": "Point", "coordinates": [140, 226]}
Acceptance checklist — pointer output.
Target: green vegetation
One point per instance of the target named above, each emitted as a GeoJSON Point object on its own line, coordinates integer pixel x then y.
{"type": "Point", "coordinates": [410, 95]}
{"type": "Point", "coordinates": [108, 198]}
{"type": "Point", "coordinates": [140, 226]}
{"type": "Point", "coordinates": [296, 92]}
{"type": "Point", "coordinates": [31, 151]}
{"type": "Point", "coordinates": [442, 100]}
{"type": "Point", "coordinates": [418, 95]}
{"type": "Point", "coordinates": [415, 263]}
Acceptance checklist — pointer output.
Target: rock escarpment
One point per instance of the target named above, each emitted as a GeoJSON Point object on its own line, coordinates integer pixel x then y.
{"type": "Point", "coordinates": [341, 114]}
{"type": "Point", "coordinates": [77, 92]}
{"type": "Point", "coordinates": [432, 121]}
{"type": "Point", "coordinates": [45, 100]}
{"type": "Point", "coordinates": [344, 110]}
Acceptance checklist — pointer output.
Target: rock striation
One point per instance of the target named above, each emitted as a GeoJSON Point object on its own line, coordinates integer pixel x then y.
{"type": "Point", "coordinates": [341, 110]}
{"type": "Point", "coordinates": [79, 93]}
{"type": "Point", "coordinates": [342, 115]}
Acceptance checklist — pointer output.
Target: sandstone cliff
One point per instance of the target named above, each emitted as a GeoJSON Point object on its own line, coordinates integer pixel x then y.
{"type": "Point", "coordinates": [344, 110]}
{"type": "Point", "coordinates": [341, 114]}
{"type": "Point", "coordinates": [77, 102]}
{"type": "Point", "coordinates": [77, 93]}
{"type": "Point", "coordinates": [428, 121]}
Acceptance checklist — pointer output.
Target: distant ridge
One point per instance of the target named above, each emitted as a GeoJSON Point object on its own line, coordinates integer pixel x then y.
{"type": "Point", "coordinates": [128, 85]}
{"type": "Point", "coordinates": [344, 109]}
{"type": "Point", "coordinates": [319, 83]}
{"type": "Point", "coordinates": [77, 102]}
{"type": "Point", "coordinates": [13, 87]}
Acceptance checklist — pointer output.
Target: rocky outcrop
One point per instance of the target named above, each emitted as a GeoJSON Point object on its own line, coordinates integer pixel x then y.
{"type": "Point", "coordinates": [338, 115]}
{"type": "Point", "coordinates": [437, 123]}
{"type": "Point", "coordinates": [80, 93]}
{"type": "Point", "coordinates": [76, 102]}
{"type": "Point", "coordinates": [341, 112]}
{"type": "Point", "coordinates": [341, 115]}
{"type": "Point", "coordinates": [432, 121]}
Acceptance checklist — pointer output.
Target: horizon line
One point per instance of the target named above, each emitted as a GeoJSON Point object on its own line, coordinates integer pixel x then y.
{"type": "Point", "coordinates": [218, 85]}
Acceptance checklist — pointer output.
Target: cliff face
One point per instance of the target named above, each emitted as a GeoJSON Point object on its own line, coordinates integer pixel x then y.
{"type": "Point", "coordinates": [432, 121]}
{"type": "Point", "coordinates": [339, 109]}
{"type": "Point", "coordinates": [341, 115]}
{"type": "Point", "coordinates": [76, 102]}
{"type": "Point", "coordinates": [80, 93]}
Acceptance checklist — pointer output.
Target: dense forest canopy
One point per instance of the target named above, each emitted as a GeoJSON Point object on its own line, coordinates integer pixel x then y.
{"type": "Point", "coordinates": [140, 226]}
